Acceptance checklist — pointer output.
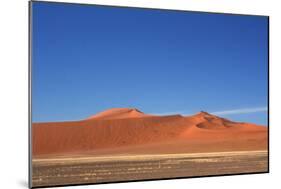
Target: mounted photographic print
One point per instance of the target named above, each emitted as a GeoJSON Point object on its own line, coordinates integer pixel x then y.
{"type": "Point", "coordinates": [122, 94]}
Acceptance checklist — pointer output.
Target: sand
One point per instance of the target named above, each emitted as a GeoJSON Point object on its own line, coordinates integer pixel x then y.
{"type": "Point", "coordinates": [130, 131]}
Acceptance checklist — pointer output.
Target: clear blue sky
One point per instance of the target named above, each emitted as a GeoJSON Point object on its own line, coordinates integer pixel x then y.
{"type": "Point", "coordinates": [87, 59]}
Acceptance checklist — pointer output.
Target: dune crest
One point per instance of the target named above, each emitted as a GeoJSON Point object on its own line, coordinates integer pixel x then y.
{"type": "Point", "coordinates": [119, 113]}
{"type": "Point", "coordinates": [128, 130]}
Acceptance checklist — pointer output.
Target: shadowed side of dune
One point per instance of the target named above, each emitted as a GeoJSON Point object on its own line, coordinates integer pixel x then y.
{"type": "Point", "coordinates": [52, 138]}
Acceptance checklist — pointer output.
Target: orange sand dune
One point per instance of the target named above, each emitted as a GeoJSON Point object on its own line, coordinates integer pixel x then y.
{"type": "Point", "coordinates": [119, 113]}
{"type": "Point", "coordinates": [127, 130]}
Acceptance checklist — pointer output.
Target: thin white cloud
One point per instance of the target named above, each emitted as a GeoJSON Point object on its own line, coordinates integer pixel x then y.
{"type": "Point", "coordinates": [241, 111]}
{"type": "Point", "coordinates": [223, 112]}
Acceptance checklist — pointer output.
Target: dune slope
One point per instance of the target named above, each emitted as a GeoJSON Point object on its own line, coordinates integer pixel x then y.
{"type": "Point", "coordinates": [128, 130]}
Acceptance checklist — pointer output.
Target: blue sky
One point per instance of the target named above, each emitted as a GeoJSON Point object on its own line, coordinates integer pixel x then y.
{"type": "Point", "coordinates": [87, 59]}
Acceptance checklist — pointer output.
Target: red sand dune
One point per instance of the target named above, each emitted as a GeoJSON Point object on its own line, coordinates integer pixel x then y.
{"type": "Point", "coordinates": [119, 113]}
{"type": "Point", "coordinates": [128, 130]}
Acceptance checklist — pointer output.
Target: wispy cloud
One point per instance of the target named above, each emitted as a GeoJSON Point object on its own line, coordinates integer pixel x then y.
{"type": "Point", "coordinates": [241, 111]}
{"type": "Point", "coordinates": [223, 112]}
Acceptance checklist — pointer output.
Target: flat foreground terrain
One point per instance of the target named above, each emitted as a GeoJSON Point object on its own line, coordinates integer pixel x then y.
{"type": "Point", "coordinates": [78, 170]}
